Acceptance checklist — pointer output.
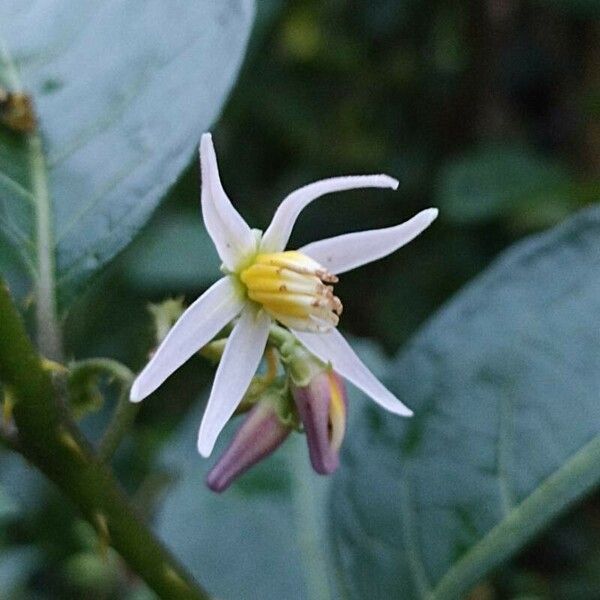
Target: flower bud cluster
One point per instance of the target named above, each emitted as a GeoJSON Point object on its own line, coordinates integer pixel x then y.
{"type": "Point", "coordinates": [308, 396]}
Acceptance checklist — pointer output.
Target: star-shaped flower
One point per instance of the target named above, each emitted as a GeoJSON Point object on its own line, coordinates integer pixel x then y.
{"type": "Point", "coordinates": [264, 283]}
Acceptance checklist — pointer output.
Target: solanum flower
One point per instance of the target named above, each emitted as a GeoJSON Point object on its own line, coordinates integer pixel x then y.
{"type": "Point", "coordinates": [263, 283]}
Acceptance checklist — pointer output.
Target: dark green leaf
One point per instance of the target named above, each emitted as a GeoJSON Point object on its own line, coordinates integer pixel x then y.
{"type": "Point", "coordinates": [122, 92]}
{"type": "Point", "coordinates": [504, 383]}
{"type": "Point", "coordinates": [8, 507]}
{"type": "Point", "coordinates": [16, 565]}
{"type": "Point", "coordinates": [494, 181]}
{"type": "Point", "coordinates": [176, 255]}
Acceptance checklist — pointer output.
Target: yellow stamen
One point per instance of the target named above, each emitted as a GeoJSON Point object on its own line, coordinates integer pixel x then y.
{"type": "Point", "coordinates": [292, 288]}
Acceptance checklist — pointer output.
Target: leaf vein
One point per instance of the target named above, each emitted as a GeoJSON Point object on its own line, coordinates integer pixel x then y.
{"type": "Point", "coordinates": [16, 187]}
{"type": "Point", "coordinates": [561, 488]}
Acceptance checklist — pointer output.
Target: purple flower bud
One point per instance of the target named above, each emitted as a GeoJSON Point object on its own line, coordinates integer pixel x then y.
{"type": "Point", "coordinates": [261, 433]}
{"type": "Point", "coordinates": [322, 406]}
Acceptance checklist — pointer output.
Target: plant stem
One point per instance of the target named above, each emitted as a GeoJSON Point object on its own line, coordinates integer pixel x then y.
{"type": "Point", "coordinates": [109, 366]}
{"type": "Point", "coordinates": [307, 496]}
{"type": "Point", "coordinates": [120, 424]}
{"type": "Point", "coordinates": [48, 330]}
{"type": "Point", "coordinates": [56, 447]}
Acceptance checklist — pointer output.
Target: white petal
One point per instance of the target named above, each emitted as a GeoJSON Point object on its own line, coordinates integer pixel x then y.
{"type": "Point", "coordinates": [196, 327]}
{"type": "Point", "coordinates": [351, 250]}
{"type": "Point", "coordinates": [278, 233]}
{"type": "Point", "coordinates": [231, 235]}
{"type": "Point", "coordinates": [239, 363]}
{"type": "Point", "coordinates": [331, 347]}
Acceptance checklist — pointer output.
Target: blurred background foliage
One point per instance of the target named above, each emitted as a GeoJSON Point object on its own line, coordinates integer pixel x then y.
{"type": "Point", "coordinates": [488, 110]}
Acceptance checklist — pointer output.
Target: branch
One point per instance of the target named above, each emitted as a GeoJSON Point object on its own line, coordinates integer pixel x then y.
{"type": "Point", "coordinates": [56, 447]}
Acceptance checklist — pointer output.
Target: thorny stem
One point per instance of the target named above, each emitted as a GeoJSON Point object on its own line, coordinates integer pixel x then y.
{"type": "Point", "coordinates": [52, 443]}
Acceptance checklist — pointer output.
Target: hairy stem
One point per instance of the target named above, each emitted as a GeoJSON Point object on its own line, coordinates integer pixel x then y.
{"type": "Point", "coordinates": [56, 447]}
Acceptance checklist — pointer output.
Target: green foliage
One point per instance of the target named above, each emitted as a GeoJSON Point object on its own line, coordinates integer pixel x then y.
{"type": "Point", "coordinates": [503, 181]}
{"type": "Point", "coordinates": [16, 566]}
{"type": "Point", "coordinates": [85, 395]}
{"type": "Point", "coordinates": [8, 508]}
{"type": "Point", "coordinates": [504, 383]}
{"type": "Point", "coordinates": [178, 255]}
{"type": "Point", "coordinates": [122, 93]}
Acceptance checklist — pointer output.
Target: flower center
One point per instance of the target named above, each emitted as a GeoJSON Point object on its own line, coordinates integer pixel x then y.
{"type": "Point", "coordinates": [292, 288]}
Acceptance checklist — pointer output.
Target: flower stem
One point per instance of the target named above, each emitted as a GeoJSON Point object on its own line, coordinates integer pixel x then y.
{"type": "Point", "coordinates": [52, 443]}
{"type": "Point", "coordinates": [120, 424]}
{"type": "Point", "coordinates": [308, 499]}
{"type": "Point", "coordinates": [111, 367]}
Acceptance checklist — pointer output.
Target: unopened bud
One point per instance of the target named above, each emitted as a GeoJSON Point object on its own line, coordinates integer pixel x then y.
{"type": "Point", "coordinates": [261, 433]}
{"type": "Point", "coordinates": [322, 407]}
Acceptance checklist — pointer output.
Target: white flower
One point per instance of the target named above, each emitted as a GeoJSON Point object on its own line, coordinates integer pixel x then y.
{"type": "Point", "coordinates": [263, 283]}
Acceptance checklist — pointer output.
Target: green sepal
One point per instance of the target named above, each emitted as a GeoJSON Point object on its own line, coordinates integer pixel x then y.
{"type": "Point", "coordinates": [83, 386]}
{"type": "Point", "coordinates": [164, 315]}
{"type": "Point", "coordinates": [300, 364]}
{"type": "Point", "coordinates": [84, 379]}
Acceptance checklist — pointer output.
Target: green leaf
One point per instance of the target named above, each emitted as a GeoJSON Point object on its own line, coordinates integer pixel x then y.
{"type": "Point", "coordinates": [497, 181]}
{"type": "Point", "coordinates": [8, 507]}
{"type": "Point", "coordinates": [122, 92]}
{"type": "Point", "coordinates": [177, 255]}
{"type": "Point", "coordinates": [17, 565]}
{"type": "Point", "coordinates": [264, 537]}
{"type": "Point", "coordinates": [504, 383]}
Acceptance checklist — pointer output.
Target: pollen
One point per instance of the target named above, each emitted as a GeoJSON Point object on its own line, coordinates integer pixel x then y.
{"type": "Point", "coordinates": [294, 289]}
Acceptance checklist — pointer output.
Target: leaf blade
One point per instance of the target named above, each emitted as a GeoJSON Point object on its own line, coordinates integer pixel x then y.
{"type": "Point", "coordinates": [122, 93]}
{"type": "Point", "coordinates": [504, 381]}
